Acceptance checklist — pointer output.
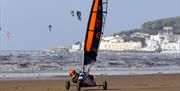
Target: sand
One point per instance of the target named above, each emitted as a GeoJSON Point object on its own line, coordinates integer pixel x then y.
{"type": "Point", "coordinates": [170, 82]}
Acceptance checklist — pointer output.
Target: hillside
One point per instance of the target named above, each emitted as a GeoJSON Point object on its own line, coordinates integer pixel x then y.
{"type": "Point", "coordinates": [153, 27]}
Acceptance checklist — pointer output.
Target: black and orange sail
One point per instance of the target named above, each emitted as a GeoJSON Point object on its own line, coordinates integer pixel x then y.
{"type": "Point", "coordinates": [94, 32]}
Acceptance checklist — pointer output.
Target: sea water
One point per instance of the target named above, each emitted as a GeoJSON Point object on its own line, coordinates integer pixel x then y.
{"type": "Point", "coordinates": [16, 64]}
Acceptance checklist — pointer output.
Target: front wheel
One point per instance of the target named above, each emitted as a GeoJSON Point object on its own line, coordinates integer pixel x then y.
{"type": "Point", "coordinates": [78, 85]}
{"type": "Point", "coordinates": [105, 85]}
{"type": "Point", "coordinates": [67, 85]}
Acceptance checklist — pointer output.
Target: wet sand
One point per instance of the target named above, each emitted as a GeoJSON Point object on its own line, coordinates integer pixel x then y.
{"type": "Point", "coordinates": [170, 82]}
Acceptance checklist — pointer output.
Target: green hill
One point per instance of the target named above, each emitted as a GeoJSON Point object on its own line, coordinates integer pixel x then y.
{"type": "Point", "coordinates": [153, 27]}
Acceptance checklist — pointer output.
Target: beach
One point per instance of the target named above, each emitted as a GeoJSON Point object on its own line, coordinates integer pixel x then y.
{"type": "Point", "coordinates": [156, 82]}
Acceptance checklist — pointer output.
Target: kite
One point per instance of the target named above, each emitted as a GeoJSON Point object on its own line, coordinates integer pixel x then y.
{"type": "Point", "coordinates": [72, 13]}
{"type": "Point", "coordinates": [8, 34]}
{"type": "Point", "coordinates": [79, 15]}
{"type": "Point", "coordinates": [50, 27]}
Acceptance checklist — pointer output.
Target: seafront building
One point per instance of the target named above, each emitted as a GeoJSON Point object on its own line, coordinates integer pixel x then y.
{"type": "Point", "coordinates": [111, 43]}
{"type": "Point", "coordinates": [76, 47]}
{"type": "Point", "coordinates": [164, 41]}
{"type": "Point", "coordinates": [171, 47]}
{"type": "Point", "coordinates": [116, 43]}
{"type": "Point", "coordinates": [56, 50]}
{"type": "Point", "coordinates": [151, 45]}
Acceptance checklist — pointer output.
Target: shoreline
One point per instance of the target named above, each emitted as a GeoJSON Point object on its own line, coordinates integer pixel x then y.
{"type": "Point", "coordinates": [94, 71]}
{"type": "Point", "coordinates": [42, 52]}
{"type": "Point", "coordinates": [98, 75]}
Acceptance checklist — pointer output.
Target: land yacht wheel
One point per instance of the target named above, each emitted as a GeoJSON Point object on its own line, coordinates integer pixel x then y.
{"type": "Point", "coordinates": [67, 85]}
{"type": "Point", "coordinates": [105, 85]}
{"type": "Point", "coordinates": [79, 85]}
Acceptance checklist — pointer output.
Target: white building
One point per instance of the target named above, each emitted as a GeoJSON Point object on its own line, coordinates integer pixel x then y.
{"type": "Point", "coordinates": [178, 41]}
{"type": "Point", "coordinates": [56, 50]}
{"type": "Point", "coordinates": [152, 45]}
{"type": "Point", "coordinates": [139, 34]}
{"type": "Point", "coordinates": [170, 47]}
{"type": "Point", "coordinates": [121, 46]}
{"type": "Point", "coordinates": [163, 36]}
{"type": "Point", "coordinates": [113, 38]}
{"type": "Point", "coordinates": [160, 38]}
{"type": "Point", "coordinates": [167, 28]}
{"type": "Point", "coordinates": [116, 43]}
{"type": "Point", "coordinates": [165, 40]}
{"type": "Point", "coordinates": [75, 47]}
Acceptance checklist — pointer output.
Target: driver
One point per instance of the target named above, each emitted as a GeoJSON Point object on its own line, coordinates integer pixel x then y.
{"type": "Point", "coordinates": [82, 76]}
{"type": "Point", "coordinates": [74, 75]}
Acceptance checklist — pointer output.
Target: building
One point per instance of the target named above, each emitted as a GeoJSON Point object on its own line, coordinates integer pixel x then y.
{"type": "Point", "coordinates": [121, 46]}
{"type": "Point", "coordinates": [175, 38]}
{"type": "Point", "coordinates": [165, 40]}
{"type": "Point", "coordinates": [170, 46]}
{"type": "Point", "coordinates": [139, 34]}
{"type": "Point", "coordinates": [178, 41]}
{"type": "Point", "coordinates": [56, 50]}
{"type": "Point", "coordinates": [113, 38]}
{"type": "Point", "coordinates": [152, 45]}
{"type": "Point", "coordinates": [116, 43]}
{"type": "Point", "coordinates": [164, 36]}
{"type": "Point", "coordinates": [167, 28]}
{"type": "Point", "coordinates": [75, 47]}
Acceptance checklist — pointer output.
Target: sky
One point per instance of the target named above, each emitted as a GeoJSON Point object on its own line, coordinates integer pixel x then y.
{"type": "Point", "coordinates": [27, 21]}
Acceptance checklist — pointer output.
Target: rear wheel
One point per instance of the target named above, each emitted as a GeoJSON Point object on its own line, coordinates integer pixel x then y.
{"type": "Point", "coordinates": [67, 85]}
{"type": "Point", "coordinates": [105, 85]}
{"type": "Point", "coordinates": [78, 85]}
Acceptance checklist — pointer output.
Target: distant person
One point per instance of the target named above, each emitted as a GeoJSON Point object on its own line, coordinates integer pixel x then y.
{"type": "Point", "coordinates": [74, 75]}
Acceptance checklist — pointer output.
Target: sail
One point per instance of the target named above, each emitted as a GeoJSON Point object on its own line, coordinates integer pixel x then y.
{"type": "Point", "coordinates": [93, 33]}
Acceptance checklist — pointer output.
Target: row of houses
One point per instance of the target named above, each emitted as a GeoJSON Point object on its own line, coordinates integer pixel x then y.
{"type": "Point", "coordinates": [163, 41]}
{"type": "Point", "coordinates": [116, 43]}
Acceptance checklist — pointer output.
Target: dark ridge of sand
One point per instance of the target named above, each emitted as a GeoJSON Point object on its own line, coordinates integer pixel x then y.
{"type": "Point", "coordinates": [168, 82]}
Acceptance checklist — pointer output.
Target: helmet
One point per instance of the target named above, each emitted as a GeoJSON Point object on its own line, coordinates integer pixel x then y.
{"type": "Point", "coordinates": [72, 70]}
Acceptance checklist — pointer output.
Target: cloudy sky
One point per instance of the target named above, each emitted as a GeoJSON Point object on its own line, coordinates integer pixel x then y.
{"type": "Point", "coordinates": [26, 21]}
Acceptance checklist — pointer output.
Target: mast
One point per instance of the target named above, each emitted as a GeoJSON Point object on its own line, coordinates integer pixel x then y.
{"type": "Point", "coordinates": [95, 29]}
